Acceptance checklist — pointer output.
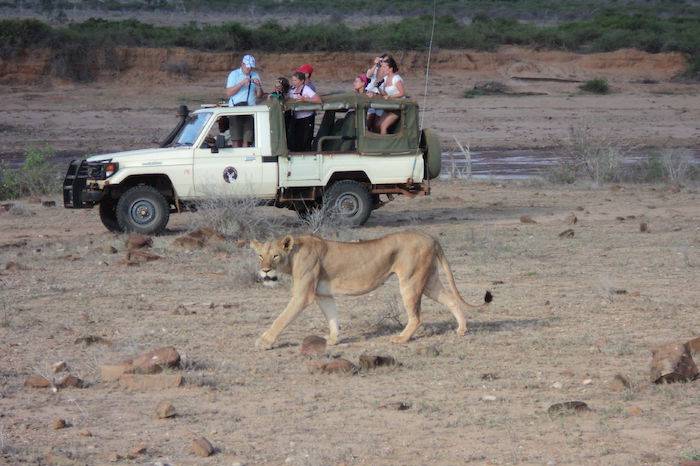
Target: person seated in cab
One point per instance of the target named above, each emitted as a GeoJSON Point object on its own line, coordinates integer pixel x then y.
{"type": "Point", "coordinates": [301, 127]}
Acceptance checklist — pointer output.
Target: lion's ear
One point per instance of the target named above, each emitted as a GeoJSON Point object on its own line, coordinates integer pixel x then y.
{"type": "Point", "coordinates": [255, 245]}
{"type": "Point", "coordinates": [287, 243]}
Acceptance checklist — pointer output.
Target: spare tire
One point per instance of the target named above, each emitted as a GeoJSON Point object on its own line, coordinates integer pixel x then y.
{"type": "Point", "coordinates": [430, 144]}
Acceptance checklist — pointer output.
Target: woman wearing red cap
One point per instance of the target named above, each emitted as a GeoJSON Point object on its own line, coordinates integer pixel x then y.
{"type": "Point", "coordinates": [308, 71]}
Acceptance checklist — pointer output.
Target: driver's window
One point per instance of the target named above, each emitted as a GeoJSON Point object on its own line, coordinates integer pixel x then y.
{"type": "Point", "coordinates": [237, 131]}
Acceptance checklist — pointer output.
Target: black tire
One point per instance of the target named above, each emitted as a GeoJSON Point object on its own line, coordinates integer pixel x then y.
{"type": "Point", "coordinates": [142, 209]}
{"type": "Point", "coordinates": [108, 215]}
{"type": "Point", "coordinates": [350, 200]}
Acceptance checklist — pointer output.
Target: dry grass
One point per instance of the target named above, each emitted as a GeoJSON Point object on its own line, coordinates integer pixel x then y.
{"type": "Point", "coordinates": [555, 322]}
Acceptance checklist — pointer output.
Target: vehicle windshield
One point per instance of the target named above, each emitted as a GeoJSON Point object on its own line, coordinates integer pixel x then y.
{"type": "Point", "coordinates": [193, 125]}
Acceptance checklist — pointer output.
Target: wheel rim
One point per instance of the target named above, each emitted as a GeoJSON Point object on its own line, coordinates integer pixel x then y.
{"type": "Point", "coordinates": [348, 204]}
{"type": "Point", "coordinates": [142, 212]}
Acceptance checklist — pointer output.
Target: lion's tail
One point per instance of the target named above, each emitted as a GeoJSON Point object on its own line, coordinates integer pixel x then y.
{"type": "Point", "coordinates": [488, 297]}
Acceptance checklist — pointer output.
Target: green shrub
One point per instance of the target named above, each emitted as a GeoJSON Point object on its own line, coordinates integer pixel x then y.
{"type": "Point", "coordinates": [35, 177]}
{"type": "Point", "coordinates": [595, 86]}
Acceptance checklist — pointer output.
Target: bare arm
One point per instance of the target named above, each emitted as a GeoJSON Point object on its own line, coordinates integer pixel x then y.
{"type": "Point", "coordinates": [234, 89]}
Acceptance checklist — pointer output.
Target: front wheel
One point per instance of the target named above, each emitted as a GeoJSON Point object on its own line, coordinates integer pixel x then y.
{"type": "Point", "coordinates": [142, 209]}
{"type": "Point", "coordinates": [108, 215]}
{"type": "Point", "coordinates": [350, 200]}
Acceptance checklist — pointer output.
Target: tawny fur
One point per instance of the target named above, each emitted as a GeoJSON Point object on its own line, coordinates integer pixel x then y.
{"type": "Point", "coordinates": [322, 269]}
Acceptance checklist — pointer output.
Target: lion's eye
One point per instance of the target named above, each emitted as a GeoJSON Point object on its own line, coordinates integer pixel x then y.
{"type": "Point", "coordinates": [276, 257]}
{"type": "Point", "coordinates": [260, 257]}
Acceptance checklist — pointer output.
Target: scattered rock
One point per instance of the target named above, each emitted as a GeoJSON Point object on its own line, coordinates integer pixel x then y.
{"type": "Point", "coordinates": [59, 367]}
{"type": "Point", "coordinates": [571, 219]}
{"type": "Point", "coordinates": [371, 362]}
{"type": "Point", "coordinates": [112, 372]}
{"type": "Point", "coordinates": [557, 385]}
{"type": "Point", "coordinates": [165, 409]}
{"type": "Point", "coordinates": [313, 346]}
{"type": "Point", "coordinates": [672, 363]}
{"type": "Point", "coordinates": [620, 219]}
{"type": "Point", "coordinates": [188, 242]}
{"type": "Point", "coordinates": [618, 291]}
{"type": "Point", "coordinates": [138, 241]}
{"type": "Point", "coordinates": [580, 208]}
{"type": "Point", "coordinates": [202, 447]}
{"type": "Point", "coordinates": [37, 381]}
{"type": "Point", "coordinates": [207, 234]}
{"type": "Point", "coordinates": [58, 424]}
{"type": "Point", "coordinates": [85, 433]}
{"type": "Point", "coordinates": [48, 203]}
{"type": "Point", "coordinates": [489, 376]}
{"type": "Point", "coordinates": [619, 383]}
{"type": "Point", "coordinates": [140, 256]}
{"type": "Point", "coordinates": [339, 366]}
{"type": "Point", "coordinates": [114, 457]}
{"type": "Point", "coordinates": [488, 398]}
{"type": "Point", "coordinates": [396, 405]}
{"type": "Point", "coordinates": [70, 381]}
{"type": "Point", "coordinates": [92, 340]}
{"type": "Point", "coordinates": [12, 266]}
{"type": "Point", "coordinates": [526, 219]}
{"type": "Point", "coordinates": [587, 382]}
{"type": "Point", "coordinates": [430, 350]}
{"type": "Point", "coordinates": [154, 361]}
{"type": "Point", "coordinates": [150, 382]}
{"type": "Point", "coordinates": [634, 411]}
{"type": "Point", "coordinates": [109, 249]}
{"type": "Point", "coordinates": [568, 407]}
{"type": "Point", "coordinates": [138, 450]}
{"type": "Point", "coordinates": [644, 227]}
{"type": "Point", "coordinates": [567, 233]}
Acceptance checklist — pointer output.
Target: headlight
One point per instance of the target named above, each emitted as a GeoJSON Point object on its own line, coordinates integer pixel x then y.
{"type": "Point", "coordinates": [110, 169]}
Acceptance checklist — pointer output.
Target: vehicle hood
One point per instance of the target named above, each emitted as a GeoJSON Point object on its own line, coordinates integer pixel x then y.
{"type": "Point", "coordinates": [142, 155]}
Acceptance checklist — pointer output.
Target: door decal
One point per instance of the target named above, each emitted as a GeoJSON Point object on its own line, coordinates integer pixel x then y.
{"type": "Point", "coordinates": [230, 174]}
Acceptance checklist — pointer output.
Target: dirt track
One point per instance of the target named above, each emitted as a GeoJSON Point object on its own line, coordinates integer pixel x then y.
{"type": "Point", "coordinates": [568, 315]}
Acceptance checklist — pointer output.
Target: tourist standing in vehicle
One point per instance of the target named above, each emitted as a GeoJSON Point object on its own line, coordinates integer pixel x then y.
{"type": "Point", "coordinates": [243, 88]}
{"type": "Point", "coordinates": [391, 88]}
{"type": "Point", "coordinates": [308, 71]}
{"type": "Point", "coordinates": [301, 128]}
{"type": "Point", "coordinates": [281, 89]}
{"type": "Point", "coordinates": [372, 90]}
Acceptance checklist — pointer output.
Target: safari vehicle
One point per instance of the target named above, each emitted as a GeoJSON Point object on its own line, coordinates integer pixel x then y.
{"type": "Point", "coordinates": [346, 165]}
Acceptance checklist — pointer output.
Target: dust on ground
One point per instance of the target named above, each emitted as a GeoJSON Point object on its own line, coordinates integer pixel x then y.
{"type": "Point", "coordinates": [569, 314]}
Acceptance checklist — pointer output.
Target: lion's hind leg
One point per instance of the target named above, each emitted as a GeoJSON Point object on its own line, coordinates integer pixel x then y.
{"type": "Point", "coordinates": [437, 292]}
{"type": "Point", "coordinates": [330, 310]}
{"type": "Point", "coordinates": [411, 293]}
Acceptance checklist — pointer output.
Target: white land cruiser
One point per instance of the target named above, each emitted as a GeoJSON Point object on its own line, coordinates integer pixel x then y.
{"type": "Point", "coordinates": [345, 165]}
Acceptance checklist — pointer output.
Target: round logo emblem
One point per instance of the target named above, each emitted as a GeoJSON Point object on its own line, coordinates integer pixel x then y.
{"type": "Point", "coordinates": [230, 174]}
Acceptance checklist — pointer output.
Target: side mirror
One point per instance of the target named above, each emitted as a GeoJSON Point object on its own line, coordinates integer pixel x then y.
{"type": "Point", "coordinates": [220, 141]}
{"type": "Point", "coordinates": [214, 149]}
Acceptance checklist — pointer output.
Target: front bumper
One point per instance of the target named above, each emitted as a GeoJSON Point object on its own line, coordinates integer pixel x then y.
{"type": "Point", "coordinates": [76, 192]}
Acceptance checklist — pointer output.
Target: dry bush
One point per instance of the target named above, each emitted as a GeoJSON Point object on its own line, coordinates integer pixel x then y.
{"type": "Point", "coordinates": [20, 210]}
{"type": "Point", "coordinates": [180, 69]}
{"type": "Point", "coordinates": [678, 165]}
{"type": "Point", "coordinates": [240, 218]}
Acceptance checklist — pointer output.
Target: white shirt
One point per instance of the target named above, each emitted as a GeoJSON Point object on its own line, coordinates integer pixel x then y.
{"type": "Point", "coordinates": [306, 91]}
{"type": "Point", "coordinates": [392, 90]}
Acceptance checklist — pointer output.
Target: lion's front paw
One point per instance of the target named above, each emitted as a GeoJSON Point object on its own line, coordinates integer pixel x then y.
{"type": "Point", "coordinates": [264, 342]}
{"type": "Point", "coordinates": [462, 331]}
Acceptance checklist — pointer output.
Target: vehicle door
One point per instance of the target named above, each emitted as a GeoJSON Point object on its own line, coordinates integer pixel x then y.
{"type": "Point", "coordinates": [223, 169]}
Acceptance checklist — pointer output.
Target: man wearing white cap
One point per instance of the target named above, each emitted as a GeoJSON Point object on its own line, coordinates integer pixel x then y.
{"type": "Point", "coordinates": [243, 87]}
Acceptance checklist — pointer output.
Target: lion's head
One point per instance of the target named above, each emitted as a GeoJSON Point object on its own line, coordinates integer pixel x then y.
{"type": "Point", "coordinates": [274, 257]}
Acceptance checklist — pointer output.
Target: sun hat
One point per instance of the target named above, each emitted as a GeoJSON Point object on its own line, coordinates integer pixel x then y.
{"type": "Point", "coordinates": [306, 69]}
{"type": "Point", "coordinates": [249, 61]}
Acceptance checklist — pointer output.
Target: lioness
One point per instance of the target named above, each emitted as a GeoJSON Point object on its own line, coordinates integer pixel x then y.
{"type": "Point", "coordinates": [322, 269]}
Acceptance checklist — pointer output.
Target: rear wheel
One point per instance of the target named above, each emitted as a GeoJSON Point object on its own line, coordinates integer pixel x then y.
{"type": "Point", "coordinates": [108, 215]}
{"type": "Point", "coordinates": [142, 209]}
{"type": "Point", "coordinates": [350, 200]}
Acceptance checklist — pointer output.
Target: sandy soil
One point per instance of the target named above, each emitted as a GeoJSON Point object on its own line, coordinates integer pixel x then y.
{"type": "Point", "coordinates": [560, 328]}
{"type": "Point", "coordinates": [136, 107]}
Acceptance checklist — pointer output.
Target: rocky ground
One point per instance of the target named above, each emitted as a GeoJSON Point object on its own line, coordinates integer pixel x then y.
{"type": "Point", "coordinates": [571, 313]}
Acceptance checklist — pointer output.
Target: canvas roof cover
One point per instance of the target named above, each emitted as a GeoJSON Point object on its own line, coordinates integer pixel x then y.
{"type": "Point", "coordinates": [404, 140]}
